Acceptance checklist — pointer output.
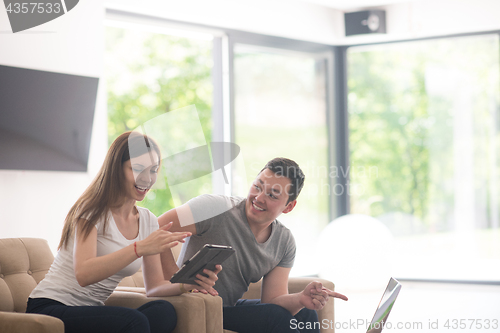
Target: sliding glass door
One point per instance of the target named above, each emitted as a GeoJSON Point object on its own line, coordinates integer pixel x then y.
{"type": "Point", "coordinates": [280, 110]}
{"type": "Point", "coordinates": [151, 71]}
{"type": "Point", "coordinates": [425, 116]}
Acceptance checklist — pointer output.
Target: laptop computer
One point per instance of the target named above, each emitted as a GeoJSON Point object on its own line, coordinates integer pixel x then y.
{"type": "Point", "coordinates": [384, 307]}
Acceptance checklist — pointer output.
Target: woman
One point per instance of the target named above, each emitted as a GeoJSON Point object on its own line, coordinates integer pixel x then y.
{"type": "Point", "coordinates": [105, 238]}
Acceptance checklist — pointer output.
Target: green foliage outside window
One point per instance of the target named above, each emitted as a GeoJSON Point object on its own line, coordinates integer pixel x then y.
{"type": "Point", "coordinates": [423, 115]}
{"type": "Point", "coordinates": [148, 74]}
{"type": "Point", "coordinates": [388, 130]}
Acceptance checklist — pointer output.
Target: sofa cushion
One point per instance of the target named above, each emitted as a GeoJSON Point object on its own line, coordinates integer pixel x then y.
{"type": "Point", "coordinates": [23, 263]}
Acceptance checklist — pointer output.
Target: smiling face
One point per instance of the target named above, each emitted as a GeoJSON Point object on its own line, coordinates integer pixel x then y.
{"type": "Point", "coordinates": [267, 198]}
{"type": "Point", "coordinates": [140, 175]}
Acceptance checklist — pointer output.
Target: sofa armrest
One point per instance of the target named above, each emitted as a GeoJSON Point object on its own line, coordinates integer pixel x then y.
{"type": "Point", "coordinates": [213, 312]}
{"type": "Point", "coordinates": [253, 291]}
{"type": "Point", "coordinates": [139, 290]}
{"type": "Point", "coordinates": [14, 322]}
{"type": "Point", "coordinates": [213, 307]}
{"type": "Point", "coordinates": [191, 309]}
{"type": "Point", "coordinates": [297, 284]}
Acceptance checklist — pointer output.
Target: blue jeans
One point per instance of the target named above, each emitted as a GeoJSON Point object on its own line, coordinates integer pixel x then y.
{"type": "Point", "coordinates": [154, 317]}
{"type": "Point", "coordinates": [251, 316]}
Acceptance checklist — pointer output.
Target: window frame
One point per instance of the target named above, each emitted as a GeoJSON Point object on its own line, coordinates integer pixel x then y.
{"type": "Point", "coordinates": [224, 41]}
{"type": "Point", "coordinates": [343, 112]}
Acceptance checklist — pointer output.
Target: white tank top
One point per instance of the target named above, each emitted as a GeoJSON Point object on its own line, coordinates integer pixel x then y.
{"type": "Point", "coordinates": [60, 282]}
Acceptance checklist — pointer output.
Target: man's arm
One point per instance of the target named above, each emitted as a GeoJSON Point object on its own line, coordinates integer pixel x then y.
{"type": "Point", "coordinates": [177, 215]}
{"type": "Point", "coordinates": [275, 291]}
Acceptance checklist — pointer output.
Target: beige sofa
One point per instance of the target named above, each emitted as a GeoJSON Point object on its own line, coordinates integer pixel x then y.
{"type": "Point", "coordinates": [135, 283]}
{"type": "Point", "coordinates": [25, 261]}
{"type": "Point", "coordinates": [326, 315]}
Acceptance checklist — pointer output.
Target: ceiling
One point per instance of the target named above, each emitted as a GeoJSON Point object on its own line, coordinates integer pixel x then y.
{"type": "Point", "coordinates": [354, 4]}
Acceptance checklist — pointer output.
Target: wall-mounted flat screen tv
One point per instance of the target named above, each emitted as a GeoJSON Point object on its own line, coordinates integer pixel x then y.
{"type": "Point", "coordinates": [45, 119]}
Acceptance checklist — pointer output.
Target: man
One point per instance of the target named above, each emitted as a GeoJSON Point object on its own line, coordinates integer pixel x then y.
{"type": "Point", "coordinates": [264, 248]}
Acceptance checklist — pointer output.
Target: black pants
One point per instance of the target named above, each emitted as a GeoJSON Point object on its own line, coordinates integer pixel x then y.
{"type": "Point", "coordinates": [251, 316]}
{"type": "Point", "coordinates": [155, 317]}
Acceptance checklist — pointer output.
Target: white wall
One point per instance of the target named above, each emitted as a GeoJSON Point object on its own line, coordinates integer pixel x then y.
{"type": "Point", "coordinates": [35, 203]}
{"type": "Point", "coordinates": [308, 21]}
{"type": "Point", "coordinates": [425, 18]}
{"type": "Point", "coordinates": [284, 18]}
{"type": "Point", "coordinates": [68, 44]}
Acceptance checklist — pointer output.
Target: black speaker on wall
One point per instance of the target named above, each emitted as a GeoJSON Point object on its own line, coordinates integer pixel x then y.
{"type": "Point", "coordinates": [364, 22]}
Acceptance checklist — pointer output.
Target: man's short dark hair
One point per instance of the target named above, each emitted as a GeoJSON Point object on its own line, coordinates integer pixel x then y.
{"type": "Point", "coordinates": [285, 167]}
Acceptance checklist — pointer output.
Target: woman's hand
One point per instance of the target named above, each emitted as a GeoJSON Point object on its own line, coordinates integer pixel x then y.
{"type": "Point", "coordinates": [206, 283]}
{"type": "Point", "coordinates": [160, 240]}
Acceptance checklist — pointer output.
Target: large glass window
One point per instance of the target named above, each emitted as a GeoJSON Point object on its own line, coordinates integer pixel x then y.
{"type": "Point", "coordinates": [280, 111]}
{"type": "Point", "coordinates": [150, 72]}
{"type": "Point", "coordinates": [424, 119]}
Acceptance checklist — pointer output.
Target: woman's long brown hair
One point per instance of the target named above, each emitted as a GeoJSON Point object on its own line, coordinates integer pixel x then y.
{"type": "Point", "coordinates": [106, 190]}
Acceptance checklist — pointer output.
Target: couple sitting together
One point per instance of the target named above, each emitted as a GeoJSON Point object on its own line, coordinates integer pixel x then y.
{"type": "Point", "coordinates": [106, 237]}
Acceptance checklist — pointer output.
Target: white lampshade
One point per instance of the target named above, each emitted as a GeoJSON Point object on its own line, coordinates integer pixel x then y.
{"type": "Point", "coordinates": [355, 253]}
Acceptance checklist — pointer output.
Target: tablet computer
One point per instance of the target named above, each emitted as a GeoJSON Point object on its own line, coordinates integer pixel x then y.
{"type": "Point", "coordinates": [207, 257]}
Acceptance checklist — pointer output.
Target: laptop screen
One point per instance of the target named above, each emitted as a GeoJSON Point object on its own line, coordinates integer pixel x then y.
{"type": "Point", "coordinates": [385, 306]}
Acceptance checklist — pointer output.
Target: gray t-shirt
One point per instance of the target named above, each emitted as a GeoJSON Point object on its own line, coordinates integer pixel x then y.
{"type": "Point", "coordinates": [252, 260]}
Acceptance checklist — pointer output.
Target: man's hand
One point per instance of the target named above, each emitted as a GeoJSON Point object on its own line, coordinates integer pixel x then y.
{"type": "Point", "coordinates": [206, 283]}
{"type": "Point", "coordinates": [315, 296]}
